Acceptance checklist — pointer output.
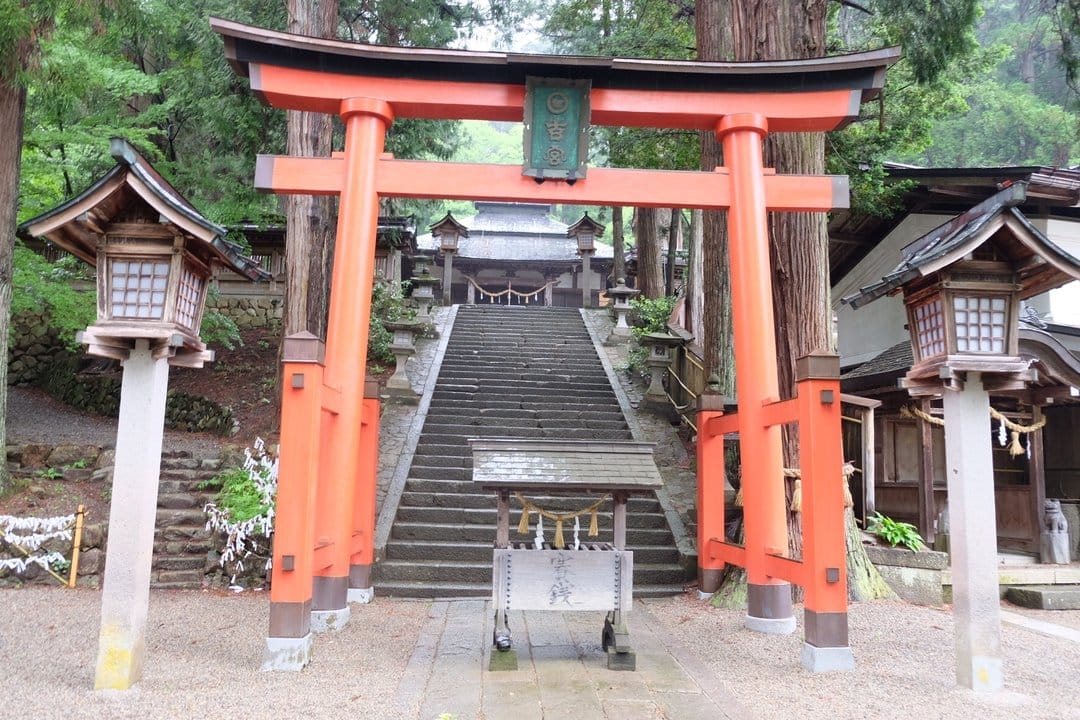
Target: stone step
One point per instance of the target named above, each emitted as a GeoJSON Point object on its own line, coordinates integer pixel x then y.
{"type": "Point", "coordinates": [443, 493]}
{"type": "Point", "coordinates": [465, 532]}
{"type": "Point", "coordinates": [177, 579]}
{"type": "Point", "coordinates": [168, 518]}
{"type": "Point", "coordinates": [478, 552]}
{"type": "Point", "coordinates": [1045, 597]}
{"type": "Point", "coordinates": [478, 572]}
{"type": "Point", "coordinates": [486, 516]}
{"type": "Point", "coordinates": [179, 562]}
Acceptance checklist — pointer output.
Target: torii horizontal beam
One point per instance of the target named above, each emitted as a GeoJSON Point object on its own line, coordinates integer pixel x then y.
{"type": "Point", "coordinates": [602, 186]}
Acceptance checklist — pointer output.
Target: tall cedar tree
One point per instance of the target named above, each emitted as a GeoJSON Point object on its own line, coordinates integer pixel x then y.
{"type": "Point", "coordinates": [763, 30]}
{"type": "Point", "coordinates": [310, 231]}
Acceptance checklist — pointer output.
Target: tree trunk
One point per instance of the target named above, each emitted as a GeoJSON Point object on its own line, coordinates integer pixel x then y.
{"type": "Point", "coordinates": [799, 242]}
{"type": "Point", "coordinates": [695, 300]}
{"type": "Point", "coordinates": [713, 28]}
{"type": "Point", "coordinates": [618, 243]}
{"type": "Point", "coordinates": [650, 275]}
{"type": "Point", "coordinates": [310, 220]}
{"type": "Point", "coordinates": [673, 236]}
{"type": "Point", "coordinates": [12, 114]}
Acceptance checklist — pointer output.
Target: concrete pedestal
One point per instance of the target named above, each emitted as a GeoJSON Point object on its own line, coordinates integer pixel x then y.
{"type": "Point", "coordinates": [973, 536]}
{"type": "Point", "coordinates": [289, 654]}
{"type": "Point", "coordinates": [126, 593]}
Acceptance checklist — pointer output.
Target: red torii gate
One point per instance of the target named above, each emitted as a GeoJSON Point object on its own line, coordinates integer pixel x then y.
{"type": "Point", "coordinates": [324, 536]}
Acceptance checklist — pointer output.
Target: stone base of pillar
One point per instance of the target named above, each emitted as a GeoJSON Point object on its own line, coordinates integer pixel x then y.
{"type": "Point", "coordinates": [709, 580]}
{"type": "Point", "coordinates": [330, 620]}
{"type": "Point", "coordinates": [362, 596]}
{"type": "Point", "coordinates": [768, 609]}
{"type": "Point", "coordinates": [287, 654]}
{"type": "Point", "coordinates": [120, 659]}
{"type": "Point", "coordinates": [827, 659]}
{"type": "Point", "coordinates": [983, 674]}
{"type": "Point", "coordinates": [618, 338]}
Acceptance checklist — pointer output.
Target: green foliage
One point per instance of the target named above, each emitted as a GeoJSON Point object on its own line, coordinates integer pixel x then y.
{"type": "Point", "coordinates": [239, 496]}
{"type": "Point", "coordinates": [38, 284]}
{"type": "Point", "coordinates": [49, 473]}
{"type": "Point", "coordinates": [217, 327]}
{"type": "Point", "coordinates": [387, 305]}
{"type": "Point", "coordinates": [895, 533]}
{"type": "Point", "coordinates": [650, 315]}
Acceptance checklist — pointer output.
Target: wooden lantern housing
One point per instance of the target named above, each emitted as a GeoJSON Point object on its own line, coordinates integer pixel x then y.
{"type": "Point", "coordinates": [154, 255]}
{"type": "Point", "coordinates": [449, 231]}
{"type": "Point", "coordinates": [585, 231]}
{"type": "Point", "coordinates": [962, 285]}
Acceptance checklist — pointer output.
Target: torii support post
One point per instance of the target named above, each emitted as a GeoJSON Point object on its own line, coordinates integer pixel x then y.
{"type": "Point", "coordinates": [363, 542]}
{"type": "Point", "coordinates": [366, 121]}
{"type": "Point", "coordinates": [288, 645]}
{"type": "Point", "coordinates": [824, 563]}
{"type": "Point", "coordinates": [756, 381]}
{"type": "Point", "coordinates": [710, 492]}
{"type": "Point", "coordinates": [822, 572]}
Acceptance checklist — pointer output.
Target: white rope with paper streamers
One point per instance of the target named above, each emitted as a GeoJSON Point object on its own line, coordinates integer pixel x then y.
{"type": "Point", "coordinates": [28, 534]}
{"type": "Point", "coordinates": [559, 542]}
{"type": "Point", "coordinates": [491, 296]}
{"type": "Point", "coordinates": [1015, 448]}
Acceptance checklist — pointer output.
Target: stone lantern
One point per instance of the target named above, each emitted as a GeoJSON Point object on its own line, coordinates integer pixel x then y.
{"type": "Point", "coordinates": [621, 297]}
{"type": "Point", "coordinates": [962, 284]}
{"type": "Point", "coordinates": [154, 255]}
{"type": "Point", "coordinates": [448, 232]}
{"type": "Point", "coordinates": [403, 347]}
{"type": "Point", "coordinates": [658, 362]}
{"type": "Point", "coordinates": [423, 282]}
{"type": "Point", "coordinates": [585, 231]}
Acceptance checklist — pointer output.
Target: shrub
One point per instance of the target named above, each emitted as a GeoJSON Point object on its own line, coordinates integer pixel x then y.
{"type": "Point", "coordinates": [895, 533]}
{"type": "Point", "coordinates": [650, 315]}
{"type": "Point", "coordinates": [243, 509]}
{"type": "Point", "coordinates": [387, 305]}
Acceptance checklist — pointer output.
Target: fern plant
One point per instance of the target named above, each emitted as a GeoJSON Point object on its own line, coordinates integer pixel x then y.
{"type": "Point", "coordinates": [895, 532]}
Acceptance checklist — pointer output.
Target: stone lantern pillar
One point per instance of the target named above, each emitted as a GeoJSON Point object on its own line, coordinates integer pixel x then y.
{"type": "Point", "coordinates": [448, 231]}
{"type": "Point", "coordinates": [621, 297]}
{"type": "Point", "coordinates": [423, 283]}
{"type": "Point", "coordinates": [658, 362]}
{"type": "Point", "coordinates": [585, 232]}
{"type": "Point", "coordinates": [154, 256]}
{"type": "Point", "coordinates": [403, 347]}
{"type": "Point", "coordinates": [962, 284]}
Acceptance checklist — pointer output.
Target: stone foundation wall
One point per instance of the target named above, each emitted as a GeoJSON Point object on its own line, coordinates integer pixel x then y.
{"type": "Point", "coordinates": [250, 312]}
{"type": "Point", "coordinates": [914, 576]}
{"type": "Point", "coordinates": [34, 346]}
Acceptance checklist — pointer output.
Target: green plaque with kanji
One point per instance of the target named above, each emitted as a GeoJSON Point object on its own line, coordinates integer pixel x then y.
{"type": "Point", "coordinates": [556, 128]}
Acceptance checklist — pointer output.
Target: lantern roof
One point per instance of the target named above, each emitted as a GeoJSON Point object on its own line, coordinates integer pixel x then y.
{"type": "Point", "coordinates": [449, 223]}
{"type": "Point", "coordinates": [1041, 265]}
{"type": "Point", "coordinates": [585, 223]}
{"type": "Point", "coordinates": [79, 224]}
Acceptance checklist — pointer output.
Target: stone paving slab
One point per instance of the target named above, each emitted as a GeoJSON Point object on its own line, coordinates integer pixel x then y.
{"type": "Point", "coordinates": [562, 671]}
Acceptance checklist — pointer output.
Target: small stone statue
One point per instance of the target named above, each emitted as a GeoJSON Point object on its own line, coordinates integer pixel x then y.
{"type": "Point", "coordinates": [1054, 538]}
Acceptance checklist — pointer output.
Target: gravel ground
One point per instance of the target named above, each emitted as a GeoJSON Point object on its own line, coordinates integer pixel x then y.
{"type": "Point", "coordinates": [904, 666]}
{"type": "Point", "coordinates": [202, 660]}
{"type": "Point", "coordinates": [204, 651]}
{"type": "Point", "coordinates": [1068, 618]}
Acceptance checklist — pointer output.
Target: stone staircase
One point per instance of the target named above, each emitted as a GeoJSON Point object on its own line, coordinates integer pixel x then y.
{"type": "Point", "coordinates": [182, 543]}
{"type": "Point", "coordinates": [519, 372]}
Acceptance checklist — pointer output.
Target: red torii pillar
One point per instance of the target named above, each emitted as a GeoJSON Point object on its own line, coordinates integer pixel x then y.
{"type": "Point", "coordinates": [367, 87]}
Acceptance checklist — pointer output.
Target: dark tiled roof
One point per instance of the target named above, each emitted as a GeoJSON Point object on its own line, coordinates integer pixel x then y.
{"type": "Point", "coordinates": [515, 231]}
{"type": "Point", "coordinates": [895, 359]}
{"type": "Point", "coordinates": [963, 234]}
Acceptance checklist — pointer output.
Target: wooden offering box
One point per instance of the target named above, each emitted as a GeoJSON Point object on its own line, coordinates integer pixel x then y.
{"type": "Point", "coordinates": [567, 571]}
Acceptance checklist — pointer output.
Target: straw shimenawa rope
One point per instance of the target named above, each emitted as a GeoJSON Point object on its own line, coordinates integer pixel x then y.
{"type": "Point", "coordinates": [559, 518]}
{"type": "Point", "coordinates": [796, 494]}
{"type": "Point", "coordinates": [1015, 448]}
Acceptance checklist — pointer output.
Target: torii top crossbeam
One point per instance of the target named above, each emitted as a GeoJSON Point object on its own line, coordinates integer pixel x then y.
{"type": "Point", "coordinates": [303, 73]}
